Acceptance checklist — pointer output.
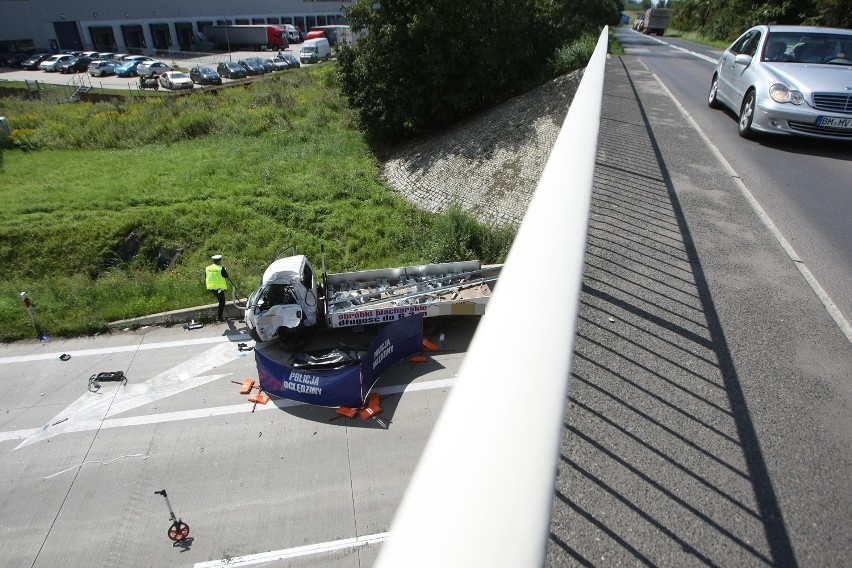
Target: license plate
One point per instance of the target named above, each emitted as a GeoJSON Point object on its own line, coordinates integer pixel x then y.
{"type": "Point", "coordinates": [835, 122]}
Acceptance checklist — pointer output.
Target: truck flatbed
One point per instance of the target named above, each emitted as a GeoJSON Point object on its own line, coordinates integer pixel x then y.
{"type": "Point", "coordinates": [384, 295]}
{"type": "Point", "coordinates": [290, 299]}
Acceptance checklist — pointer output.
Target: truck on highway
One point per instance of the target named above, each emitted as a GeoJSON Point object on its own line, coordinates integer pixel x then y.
{"type": "Point", "coordinates": [258, 37]}
{"type": "Point", "coordinates": [290, 302]}
{"type": "Point", "coordinates": [656, 21]}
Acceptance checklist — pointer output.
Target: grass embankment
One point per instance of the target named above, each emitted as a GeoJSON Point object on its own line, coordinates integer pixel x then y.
{"type": "Point", "coordinates": [112, 210]}
{"type": "Point", "coordinates": [695, 37]}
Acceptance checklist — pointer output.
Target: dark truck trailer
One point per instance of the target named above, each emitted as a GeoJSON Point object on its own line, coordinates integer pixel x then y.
{"type": "Point", "coordinates": [656, 21]}
{"type": "Point", "coordinates": [257, 37]}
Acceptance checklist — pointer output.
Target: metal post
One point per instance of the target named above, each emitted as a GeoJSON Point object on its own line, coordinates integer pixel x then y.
{"type": "Point", "coordinates": [29, 305]}
{"type": "Point", "coordinates": [227, 39]}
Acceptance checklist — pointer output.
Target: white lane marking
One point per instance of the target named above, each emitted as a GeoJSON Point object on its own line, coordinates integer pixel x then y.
{"type": "Point", "coordinates": [18, 434]}
{"type": "Point", "coordinates": [217, 411]}
{"type": "Point", "coordinates": [125, 348]}
{"type": "Point", "coordinates": [90, 410]}
{"type": "Point", "coordinates": [295, 552]}
{"type": "Point", "coordinates": [683, 49]}
{"type": "Point", "coordinates": [826, 300]}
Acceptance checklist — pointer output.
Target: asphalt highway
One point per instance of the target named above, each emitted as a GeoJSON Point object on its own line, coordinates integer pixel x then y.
{"type": "Point", "coordinates": [709, 416]}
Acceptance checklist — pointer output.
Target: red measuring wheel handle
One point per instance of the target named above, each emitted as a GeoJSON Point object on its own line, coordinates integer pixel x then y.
{"type": "Point", "coordinates": [178, 531]}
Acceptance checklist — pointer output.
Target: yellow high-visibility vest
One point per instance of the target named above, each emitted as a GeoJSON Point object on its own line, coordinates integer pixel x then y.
{"type": "Point", "coordinates": [215, 280]}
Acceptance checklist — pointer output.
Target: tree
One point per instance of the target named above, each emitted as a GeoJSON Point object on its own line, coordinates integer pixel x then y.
{"type": "Point", "coordinates": [419, 65]}
{"type": "Point", "coordinates": [834, 13]}
{"type": "Point", "coordinates": [726, 19]}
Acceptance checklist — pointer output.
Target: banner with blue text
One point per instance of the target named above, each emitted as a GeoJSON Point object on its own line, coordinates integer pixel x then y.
{"type": "Point", "coordinates": [347, 386]}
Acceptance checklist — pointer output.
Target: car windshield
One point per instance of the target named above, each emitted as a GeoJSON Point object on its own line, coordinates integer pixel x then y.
{"type": "Point", "coordinates": [795, 47]}
{"type": "Point", "coordinates": [178, 75]}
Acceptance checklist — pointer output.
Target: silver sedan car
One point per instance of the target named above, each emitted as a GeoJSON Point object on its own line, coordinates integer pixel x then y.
{"type": "Point", "coordinates": [793, 80]}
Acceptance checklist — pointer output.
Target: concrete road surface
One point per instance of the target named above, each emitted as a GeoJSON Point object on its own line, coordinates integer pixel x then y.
{"type": "Point", "coordinates": [80, 468]}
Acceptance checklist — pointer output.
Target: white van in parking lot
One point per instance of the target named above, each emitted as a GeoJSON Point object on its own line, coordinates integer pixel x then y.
{"type": "Point", "coordinates": [315, 50]}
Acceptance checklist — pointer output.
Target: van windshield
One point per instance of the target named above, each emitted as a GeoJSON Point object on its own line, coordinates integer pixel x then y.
{"type": "Point", "coordinates": [309, 49]}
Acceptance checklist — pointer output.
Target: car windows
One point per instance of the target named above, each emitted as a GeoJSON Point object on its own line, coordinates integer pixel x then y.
{"type": "Point", "coordinates": [776, 49]}
{"type": "Point", "coordinates": [814, 47]}
{"type": "Point", "coordinates": [750, 47]}
{"type": "Point", "coordinates": [747, 44]}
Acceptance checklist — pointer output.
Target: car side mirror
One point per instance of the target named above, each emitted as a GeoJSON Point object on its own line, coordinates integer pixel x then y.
{"type": "Point", "coordinates": [743, 59]}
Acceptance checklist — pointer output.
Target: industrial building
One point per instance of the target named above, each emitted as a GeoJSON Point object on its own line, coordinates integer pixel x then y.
{"type": "Point", "coordinates": [124, 26]}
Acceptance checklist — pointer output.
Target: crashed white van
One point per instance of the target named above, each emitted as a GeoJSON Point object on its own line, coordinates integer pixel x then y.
{"type": "Point", "coordinates": [286, 300]}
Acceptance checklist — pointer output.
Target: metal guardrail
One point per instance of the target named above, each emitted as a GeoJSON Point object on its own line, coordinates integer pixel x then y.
{"type": "Point", "coordinates": [482, 492]}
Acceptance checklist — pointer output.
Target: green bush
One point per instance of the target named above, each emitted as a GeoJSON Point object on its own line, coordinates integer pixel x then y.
{"type": "Point", "coordinates": [573, 56]}
{"type": "Point", "coordinates": [457, 235]}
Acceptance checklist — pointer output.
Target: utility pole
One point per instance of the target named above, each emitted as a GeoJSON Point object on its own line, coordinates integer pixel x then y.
{"type": "Point", "coordinates": [227, 39]}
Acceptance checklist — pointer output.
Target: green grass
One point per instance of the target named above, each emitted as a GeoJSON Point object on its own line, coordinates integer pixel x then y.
{"type": "Point", "coordinates": [615, 47]}
{"type": "Point", "coordinates": [97, 199]}
{"type": "Point", "coordinates": [695, 37]}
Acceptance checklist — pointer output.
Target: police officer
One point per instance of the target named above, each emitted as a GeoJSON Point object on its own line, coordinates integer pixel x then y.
{"type": "Point", "coordinates": [217, 282]}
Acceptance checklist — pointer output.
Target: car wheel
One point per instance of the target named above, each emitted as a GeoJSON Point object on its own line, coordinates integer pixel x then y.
{"type": "Point", "coordinates": [747, 116]}
{"type": "Point", "coordinates": [712, 100]}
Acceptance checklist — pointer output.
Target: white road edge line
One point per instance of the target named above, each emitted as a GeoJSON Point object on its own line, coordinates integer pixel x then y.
{"type": "Point", "coordinates": [829, 304]}
{"type": "Point", "coordinates": [683, 49]}
{"type": "Point", "coordinates": [295, 552]}
{"type": "Point", "coordinates": [124, 348]}
{"type": "Point", "coordinates": [20, 435]}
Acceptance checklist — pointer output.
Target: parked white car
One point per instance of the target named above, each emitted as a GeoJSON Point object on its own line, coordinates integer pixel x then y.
{"type": "Point", "coordinates": [153, 67]}
{"type": "Point", "coordinates": [51, 62]}
{"type": "Point", "coordinates": [101, 67]}
{"type": "Point", "coordinates": [140, 58]}
{"type": "Point", "coordinates": [279, 64]}
{"type": "Point", "coordinates": [175, 80]}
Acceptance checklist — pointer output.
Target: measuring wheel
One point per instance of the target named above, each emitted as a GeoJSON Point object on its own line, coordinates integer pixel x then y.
{"type": "Point", "coordinates": [178, 531]}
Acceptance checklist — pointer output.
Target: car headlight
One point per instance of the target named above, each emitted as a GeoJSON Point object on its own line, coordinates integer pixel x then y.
{"type": "Point", "coordinates": [782, 94]}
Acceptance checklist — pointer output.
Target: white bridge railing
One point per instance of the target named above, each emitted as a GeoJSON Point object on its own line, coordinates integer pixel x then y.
{"type": "Point", "coordinates": [483, 490]}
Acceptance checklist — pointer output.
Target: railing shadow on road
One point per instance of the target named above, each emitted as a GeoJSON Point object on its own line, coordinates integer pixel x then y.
{"type": "Point", "coordinates": [660, 463]}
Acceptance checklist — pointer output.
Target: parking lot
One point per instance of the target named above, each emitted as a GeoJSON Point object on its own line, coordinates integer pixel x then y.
{"type": "Point", "coordinates": [132, 83]}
